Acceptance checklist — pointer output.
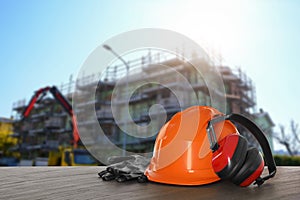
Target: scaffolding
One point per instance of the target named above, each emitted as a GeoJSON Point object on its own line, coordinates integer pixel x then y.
{"type": "Point", "coordinates": [240, 97]}
{"type": "Point", "coordinates": [240, 94]}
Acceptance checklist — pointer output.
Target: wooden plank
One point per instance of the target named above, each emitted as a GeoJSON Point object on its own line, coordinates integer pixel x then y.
{"type": "Point", "coordinates": [83, 183]}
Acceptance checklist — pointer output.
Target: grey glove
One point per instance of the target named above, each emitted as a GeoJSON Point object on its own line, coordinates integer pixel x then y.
{"type": "Point", "coordinates": [125, 168]}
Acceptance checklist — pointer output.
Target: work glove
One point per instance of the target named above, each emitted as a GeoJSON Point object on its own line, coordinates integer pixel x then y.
{"type": "Point", "coordinates": [125, 168]}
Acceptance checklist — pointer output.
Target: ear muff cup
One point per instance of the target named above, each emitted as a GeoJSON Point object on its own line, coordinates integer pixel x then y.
{"type": "Point", "coordinates": [230, 156]}
{"type": "Point", "coordinates": [251, 169]}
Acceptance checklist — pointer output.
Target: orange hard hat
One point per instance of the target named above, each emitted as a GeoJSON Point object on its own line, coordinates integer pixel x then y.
{"type": "Point", "coordinates": [182, 153]}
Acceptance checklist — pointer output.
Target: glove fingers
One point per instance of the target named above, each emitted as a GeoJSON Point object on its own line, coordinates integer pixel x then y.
{"type": "Point", "coordinates": [108, 176]}
{"type": "Point", "coordinates": [142, 179]}
{"type": "Point", "coordinates": [115, 171]}
{"type": "Point", "coordinates": [102, 173]}
{"type": "Point", "coordinates": [124, 177]}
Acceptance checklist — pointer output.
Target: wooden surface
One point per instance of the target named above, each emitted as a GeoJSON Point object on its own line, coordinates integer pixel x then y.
{"type": "Point", "coordinates": [83, 183]}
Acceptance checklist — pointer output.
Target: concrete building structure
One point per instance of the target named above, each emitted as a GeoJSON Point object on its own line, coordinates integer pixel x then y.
{"type": "Point", "coordinates": [49, 126]}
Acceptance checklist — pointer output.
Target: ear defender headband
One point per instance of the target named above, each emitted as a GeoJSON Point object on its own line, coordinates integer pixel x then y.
{"type": "Point", "coordinates": [232, 159]}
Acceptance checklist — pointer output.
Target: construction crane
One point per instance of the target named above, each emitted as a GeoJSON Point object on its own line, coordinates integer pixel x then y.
{"type": "Point", "coordinates": [69, 156]}
{"type": "Point", "coordinates": [38, 96]}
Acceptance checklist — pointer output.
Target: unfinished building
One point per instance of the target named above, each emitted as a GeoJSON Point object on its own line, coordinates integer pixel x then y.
{"type": "Point", "coordinates": [38, 134]}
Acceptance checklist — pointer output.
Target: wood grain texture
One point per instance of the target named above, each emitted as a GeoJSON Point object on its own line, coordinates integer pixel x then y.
{"type": "Point", "coordinates": [83, 183]}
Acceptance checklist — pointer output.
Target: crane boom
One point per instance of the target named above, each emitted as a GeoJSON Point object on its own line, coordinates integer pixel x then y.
{"type": "Point", "coordinates": [39, 94]}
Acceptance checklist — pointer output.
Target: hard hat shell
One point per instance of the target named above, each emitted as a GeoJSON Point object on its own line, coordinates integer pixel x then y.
{"type": "Point", "coordinates": [181, 153]}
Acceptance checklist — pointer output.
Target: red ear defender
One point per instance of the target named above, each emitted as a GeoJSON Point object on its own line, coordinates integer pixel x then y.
{"type": "Point", "coordinates": [251, 169]}
{"type": "Point", "coordinates": [231, 157]}
{"type": "Point", "coordinates": [234, 161]}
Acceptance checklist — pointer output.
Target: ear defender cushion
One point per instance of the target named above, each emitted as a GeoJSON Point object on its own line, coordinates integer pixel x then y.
{"type": "Point", "coordinates": [230, 156]}
{"type": "Point", "coordinates": [251, 169]}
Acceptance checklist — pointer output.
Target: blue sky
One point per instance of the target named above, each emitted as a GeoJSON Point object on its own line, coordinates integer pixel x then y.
{"type": "Point", "coordinates": [44, 42]}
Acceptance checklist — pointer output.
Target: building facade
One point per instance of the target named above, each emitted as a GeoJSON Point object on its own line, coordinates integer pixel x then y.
{"type": "Point", "coordinates": [154, 79]}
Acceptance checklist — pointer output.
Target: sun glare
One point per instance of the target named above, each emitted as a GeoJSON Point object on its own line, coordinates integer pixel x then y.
{"type": "Point", "coordinates": [214, 25]}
